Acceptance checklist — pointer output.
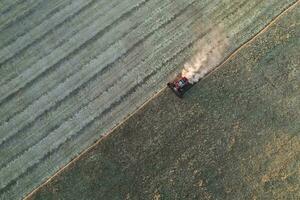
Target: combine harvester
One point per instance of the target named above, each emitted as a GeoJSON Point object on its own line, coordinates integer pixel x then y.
{"type": "Point", "coordinates": [180, 85]}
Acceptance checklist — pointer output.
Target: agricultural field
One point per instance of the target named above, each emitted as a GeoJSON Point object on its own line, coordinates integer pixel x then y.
{"type": "Point", "coordinates": [235, 135]}
{"type": "Point", "coordinates": [70, 71]}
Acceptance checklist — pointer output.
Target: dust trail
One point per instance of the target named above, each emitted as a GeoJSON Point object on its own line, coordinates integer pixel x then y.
{"type": "Point", "coordinates": [209, 51]}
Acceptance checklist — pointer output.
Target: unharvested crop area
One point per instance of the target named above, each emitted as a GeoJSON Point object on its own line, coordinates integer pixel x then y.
{"type": "Point", "coordinates": [71, 70]}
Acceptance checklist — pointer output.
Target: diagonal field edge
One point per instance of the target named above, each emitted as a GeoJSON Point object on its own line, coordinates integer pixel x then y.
{"type": "Point", "coordinates": [230, 56]}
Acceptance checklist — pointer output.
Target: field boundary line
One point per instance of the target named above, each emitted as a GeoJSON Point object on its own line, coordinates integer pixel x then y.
{"type": "Point", "coordinates": [104, 136]}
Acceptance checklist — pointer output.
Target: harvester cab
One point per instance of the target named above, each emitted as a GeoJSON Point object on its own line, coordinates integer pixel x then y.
{"type": "Point", "coordinates": [180, 85]}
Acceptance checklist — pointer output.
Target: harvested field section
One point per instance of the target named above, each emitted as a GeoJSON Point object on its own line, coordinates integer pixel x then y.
{"type": "Point", "coordinates": [17, 11]}
{"type": "Point", "coordinates": [72, 74]}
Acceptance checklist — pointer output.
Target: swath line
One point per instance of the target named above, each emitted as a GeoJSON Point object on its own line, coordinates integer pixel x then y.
{"type": "Point", "coordinates": [154, 96]}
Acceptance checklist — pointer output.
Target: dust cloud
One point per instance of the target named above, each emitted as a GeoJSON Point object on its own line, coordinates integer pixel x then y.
{"type": "Point", "coordinates": [209, 52]}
